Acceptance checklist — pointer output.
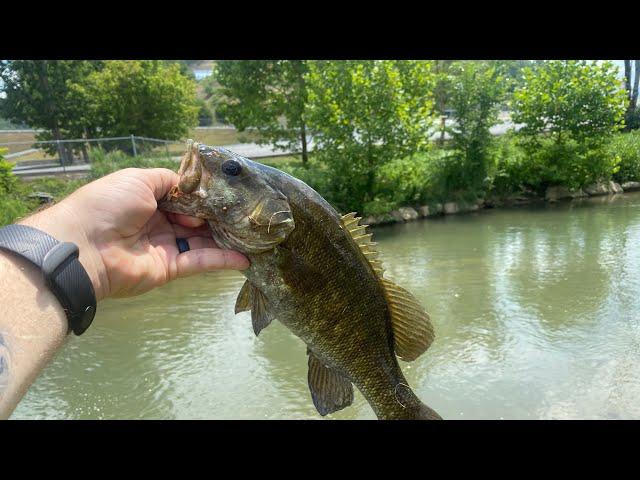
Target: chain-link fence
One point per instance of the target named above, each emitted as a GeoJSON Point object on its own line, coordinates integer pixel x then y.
{"type": "Point", "coordinates": [65, 153]}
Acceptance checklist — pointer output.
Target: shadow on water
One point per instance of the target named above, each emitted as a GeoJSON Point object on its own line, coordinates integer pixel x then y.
{"type": "Point", "coordinates": [535, 311]}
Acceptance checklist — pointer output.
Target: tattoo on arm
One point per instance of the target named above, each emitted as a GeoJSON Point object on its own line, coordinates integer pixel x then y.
{"type": "Point", "coordinates": [4, 365]}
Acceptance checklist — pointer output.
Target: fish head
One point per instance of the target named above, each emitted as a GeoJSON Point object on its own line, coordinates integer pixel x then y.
{"type": "Point", "coordinates": [245, 211]}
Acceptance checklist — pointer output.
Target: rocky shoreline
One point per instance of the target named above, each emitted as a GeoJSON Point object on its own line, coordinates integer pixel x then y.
{"type": "Point", "coordinates": [553, 194]}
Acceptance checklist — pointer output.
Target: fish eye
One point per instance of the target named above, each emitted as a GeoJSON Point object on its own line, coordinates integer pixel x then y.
{"type": "Point", "coordinates": [231, 167]}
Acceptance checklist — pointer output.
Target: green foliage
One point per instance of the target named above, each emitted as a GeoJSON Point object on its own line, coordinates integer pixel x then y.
{"type": "Point", "coordinates": [104, 163]}
{"type": "Point", "coordinates": [8, 180]}
{"type": "Point", "coordinates": [13, 201]}
{"type": "Point", "coordinates": [514, 71]}
{"type": "Point", "coordinates": [570, 110]}
{"type": "Point", "coordinates": [476, 90]}
{"type": "Point", "coordinates": [364, 114]}
{"type": "Point", "coordinates": [632, 119]}
{"type": "Point", "coordinates": [58, 188]}
{"type": "Point", "coordinates": [145, 98]}
{"type": "Point", "coordinates": [205, 116]}
{"type": "Point", "coordinates": [38, 93]}
{"type": "Point", "coordinates": [568, 163]}
{"type": "Point", "coordinates": [569, 100]}
{"type": "Point", "coordinates": [442, 84]}
{"type": "Point", "coordinates": [626, 148]}
{"type": "Point", "coordinates": [406, 181]}
{"type": "Point", "coordinates": [510, 170]}
{"type": "Point", "coordinates": [267, 95]}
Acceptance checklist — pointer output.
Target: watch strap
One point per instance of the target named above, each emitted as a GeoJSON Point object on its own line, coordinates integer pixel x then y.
{"type": "Point", "coordinates": [61, 269]}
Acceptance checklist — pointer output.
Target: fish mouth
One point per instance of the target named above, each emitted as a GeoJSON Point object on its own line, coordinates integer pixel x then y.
{"type": "Point", "coordinates": [186, 196]}
{"type": "Point", "coordinates": [190, 171]}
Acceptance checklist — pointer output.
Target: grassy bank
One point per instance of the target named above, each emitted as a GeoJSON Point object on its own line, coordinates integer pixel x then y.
{"type": "Point", "coordinates": [208, 136]}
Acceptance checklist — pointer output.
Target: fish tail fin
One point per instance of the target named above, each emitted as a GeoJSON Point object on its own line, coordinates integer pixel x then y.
{"type": "Point", "coordinates": [427, 413]}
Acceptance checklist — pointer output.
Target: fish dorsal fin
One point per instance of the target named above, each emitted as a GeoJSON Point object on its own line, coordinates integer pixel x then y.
{"type": "Point", "coordinates": [330, 390]}
{"type": "Point", "coordinates": [412, 329]}
{"type": "Point", "coordinates": [250, 298]}
{"type": "Point", "coordinates": [358, 233]}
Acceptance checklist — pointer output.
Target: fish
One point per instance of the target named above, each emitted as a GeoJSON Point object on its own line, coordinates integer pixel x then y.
{"type": "Point", "coordinates": [315, 271]}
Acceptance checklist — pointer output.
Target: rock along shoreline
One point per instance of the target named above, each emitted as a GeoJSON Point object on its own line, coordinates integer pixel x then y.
{"type": "Point", "coordinates": [553, 194]}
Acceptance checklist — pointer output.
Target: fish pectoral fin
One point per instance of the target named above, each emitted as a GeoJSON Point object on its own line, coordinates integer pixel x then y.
{"type": "Point", "coordinates": [412, 329]}
{"type": "Point", "coordinates": [250, 298]}
{"type": "Point", "coordinates": [243, 302]}
{"type": "Point", "coordinates": [330, 390]}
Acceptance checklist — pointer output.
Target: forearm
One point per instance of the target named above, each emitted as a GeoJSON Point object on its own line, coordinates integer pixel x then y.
{"type": "Point", "coordinates": [33, 326]}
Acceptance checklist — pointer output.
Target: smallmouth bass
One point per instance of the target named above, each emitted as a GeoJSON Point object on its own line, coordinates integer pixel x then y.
{"type": "Point", "coordinates": [316, 272]}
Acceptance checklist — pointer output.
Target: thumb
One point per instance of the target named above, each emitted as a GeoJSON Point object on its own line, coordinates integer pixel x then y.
{"type": "Point", "coordinates": [208, 259]}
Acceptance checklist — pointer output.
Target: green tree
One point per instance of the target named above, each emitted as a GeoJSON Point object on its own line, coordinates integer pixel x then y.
{"type": "Point", "coordinates": [570, 109]}
{"type": "Point", "coordinates": [139, 97]}
{"type": "Point", "coordinates": [364, 114]}
{"type": "Point", "coordinates": [631, 83]}
{"type": "Point", "coordinates": [267, 95]}
{"type": "Point", "coordinates": [569, 100]}
{"type": "Point", "coordinates": [39, 93]}
{"type": "Point", "coordinates": [476, 90]}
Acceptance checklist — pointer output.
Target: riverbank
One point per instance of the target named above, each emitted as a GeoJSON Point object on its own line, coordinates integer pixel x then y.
{"type": "Point", "coordinates": [553, 194]}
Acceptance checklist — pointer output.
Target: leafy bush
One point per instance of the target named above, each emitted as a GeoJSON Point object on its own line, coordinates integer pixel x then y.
{"type": "Point", "coordinates": [510, 169]}
{"type": "Point", "coordinates": [626, 147]}
{"type": "Point", "coordinates": [13, 201]}
{"type": "Point", "coordinates": [569, 163]}
{"type": "Point", "coordinates": [8, 181]}
{"type": "Point", "coordinates": [401, 182]}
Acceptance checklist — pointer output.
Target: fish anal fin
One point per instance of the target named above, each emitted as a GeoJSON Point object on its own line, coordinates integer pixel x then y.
{"type": "Point", "coordinates": [330, 390]}
{"type": "Point", "coordinates": [260, 316]}
{"type": "Point", "coordinates": [412, 328]}
{"type": "Point", "coordinates": [251, 298]}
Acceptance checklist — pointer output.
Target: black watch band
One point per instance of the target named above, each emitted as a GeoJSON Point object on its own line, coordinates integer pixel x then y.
{"type": "Point", "coordinates": [62, 271]}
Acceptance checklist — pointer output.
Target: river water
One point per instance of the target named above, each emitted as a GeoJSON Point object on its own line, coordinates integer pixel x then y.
{"type": "Point", "coordinates": [536, 312]}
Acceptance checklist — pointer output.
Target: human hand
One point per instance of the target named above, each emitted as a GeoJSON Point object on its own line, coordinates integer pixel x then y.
{"type": "Point", "coordinates": [126, 245]}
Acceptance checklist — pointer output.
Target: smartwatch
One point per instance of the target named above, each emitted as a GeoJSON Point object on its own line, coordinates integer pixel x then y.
{"type": "Point", "coordinates": [62, 271]}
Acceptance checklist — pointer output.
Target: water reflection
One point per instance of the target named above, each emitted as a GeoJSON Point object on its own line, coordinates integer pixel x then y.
{"type": "Point", "coordinates": [535, 311]}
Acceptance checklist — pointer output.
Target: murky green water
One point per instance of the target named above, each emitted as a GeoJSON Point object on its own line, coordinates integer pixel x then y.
{"type": "Point", "coordinates": [536, 313]}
